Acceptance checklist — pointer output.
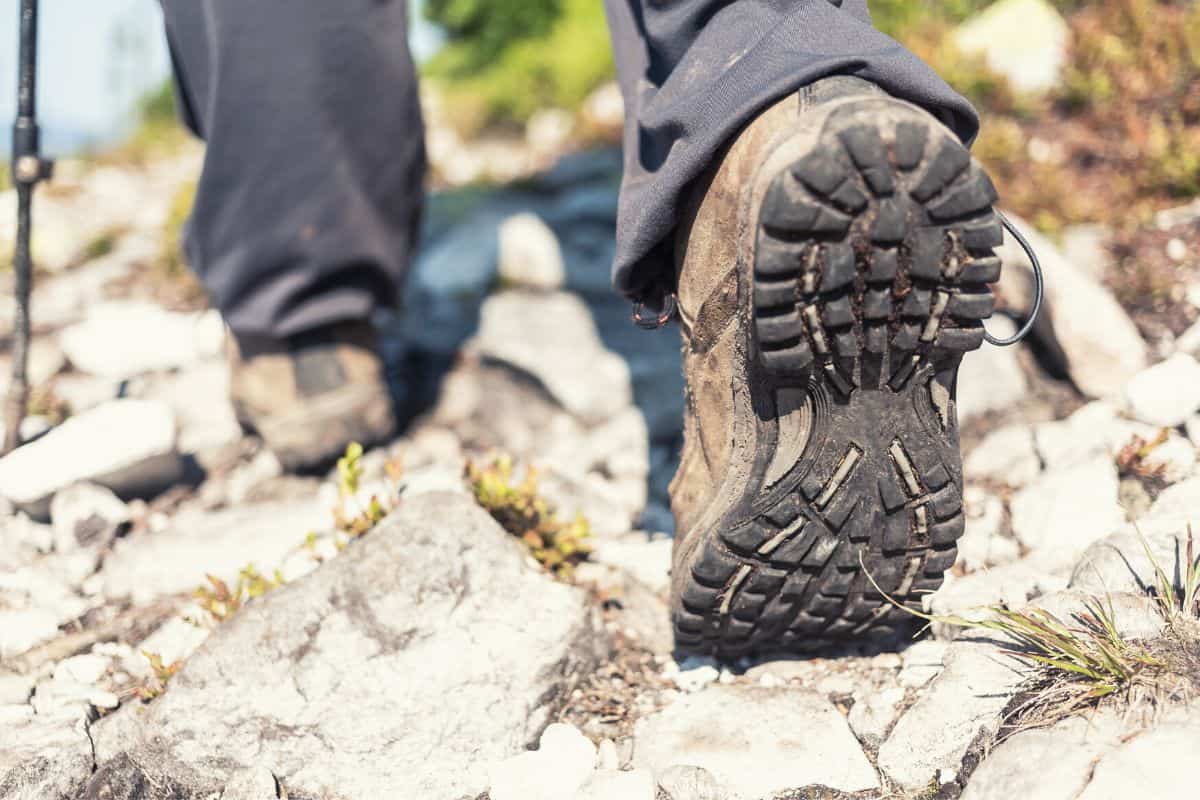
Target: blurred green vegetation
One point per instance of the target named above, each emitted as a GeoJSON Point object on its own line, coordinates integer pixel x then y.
{"type": "Point", "coordinates": [505, 59]}
{"type": "Point", "coordinates": [157, 131]}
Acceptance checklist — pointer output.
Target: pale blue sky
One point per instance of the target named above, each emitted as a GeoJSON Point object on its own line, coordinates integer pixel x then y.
{"type": "Point", "coordinates": [96, 58]}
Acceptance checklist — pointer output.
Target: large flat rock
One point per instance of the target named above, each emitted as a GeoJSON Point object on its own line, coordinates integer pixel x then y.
{"type": "Point", "coordinates": [428, 649]}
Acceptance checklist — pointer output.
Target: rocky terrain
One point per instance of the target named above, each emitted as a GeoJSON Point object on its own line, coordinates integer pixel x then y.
{"type": "Point", "coordinates": [181, 619]}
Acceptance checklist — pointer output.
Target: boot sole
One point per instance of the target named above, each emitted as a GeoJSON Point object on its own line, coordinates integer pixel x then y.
{"type": "Point", "coordinates": [871, 267]}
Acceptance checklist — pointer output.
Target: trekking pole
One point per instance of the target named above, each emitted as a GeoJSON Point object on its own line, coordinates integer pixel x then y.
{"type": "Point", "coordinates": [28, 168]}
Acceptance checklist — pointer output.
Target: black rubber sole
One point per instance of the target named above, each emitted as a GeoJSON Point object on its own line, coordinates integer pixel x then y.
{"type": "Point", "coordinates": [873, 255]}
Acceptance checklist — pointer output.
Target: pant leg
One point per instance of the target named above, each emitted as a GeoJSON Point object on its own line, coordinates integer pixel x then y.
{"type": "Point", "coordinates": [693, 72]}
{"type": "Point", "coordinates": [306, 209]}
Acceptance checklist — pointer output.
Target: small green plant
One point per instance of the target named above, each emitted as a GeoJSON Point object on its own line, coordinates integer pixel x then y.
{"type": "Point", "coordinates": [1182, 603]}
{"type": "Point", "coordinates": [558, 546]}
{"type": "Point", "coordinates": [160, 675]}
{"type": "Point", "coordinates": [220, 602]}
{"type": "Point", "coordinates": [351, 516]}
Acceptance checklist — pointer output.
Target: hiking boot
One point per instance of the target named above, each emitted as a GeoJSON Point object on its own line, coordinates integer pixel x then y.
{"type": "Point", "coordinates": [314, 394]}
{"type": "Point", "coordinates": [833, 269]}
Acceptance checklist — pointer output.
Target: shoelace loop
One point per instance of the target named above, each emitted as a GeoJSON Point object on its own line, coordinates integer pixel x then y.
{"type": "Point", "coordinates": [671, 304]}
{"type": "Point", "coordinates": [669, 308]}
{"type": "Point", "coordinates": [1039, 287]}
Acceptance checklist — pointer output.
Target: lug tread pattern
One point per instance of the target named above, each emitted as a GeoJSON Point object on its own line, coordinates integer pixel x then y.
{"type": "Point", "coordinates": [873, 260]}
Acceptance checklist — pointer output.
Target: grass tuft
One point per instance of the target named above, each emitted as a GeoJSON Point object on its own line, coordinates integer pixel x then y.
{"type": "Point", "coordinates": [558, 546]}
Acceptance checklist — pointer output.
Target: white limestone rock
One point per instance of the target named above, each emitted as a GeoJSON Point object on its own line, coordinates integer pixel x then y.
{"type": "Point", "coordinates": [1167, 393]}
{"type": "Point", "coordinates": [552, 338]}
{"type": "Point", "coordinates": [798, 739]}
{"type": "Point", "coordinates": [1023, 40]}
{"type": "Point", "coordinates": [965, 702]}
{"type": "Point", "coordinates": [1099, 342]}
{"type": "Point", "coordinates": [530, 256]}
{"type": "Point", "coordinates": [1058, 517]}
{"type": "Point", "coordinates": [122, 339]}
{"type": "Point", "coordinates": [401, 668]}
{"type": "Point", "coordinates": [1006, 456]}
{"type": "Point", "coordinates": [558, 768]}
{"type": "Point", "coordinates": [125, 445]}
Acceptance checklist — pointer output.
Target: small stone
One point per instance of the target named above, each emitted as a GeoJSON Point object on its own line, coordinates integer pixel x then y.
{"type": "Point", "coordinates": [126, 445]}
{"type": "Point", "coordinates": [784, 669]}
{"type": "Point", "coordinates": [873, 714]}
{"type": "Point", "coordinates": [529, 253]}
{"type": "Point", "coordinates": [1177, 251]}
{"type": "Point", "coordinates": [22, 629]}
{"type": "Point", "coordinates": [1167, 393]}
{"type": "Point", "coordinates": [797, 739]}
{"type": "Point", "coordinates": [86, 669]}
{"type": "Point", "coordinates": [70, 696]}
{"type": "Point", "coordinates": [1006, 457]}
{"type": "Point", "coordinates": [561, 765]}
{"type": "Point", "coordinates": [682, 782]}
{"type": "Point", "coordinates": [692, 674]}
{"type": "Point", "coordinates": [609, 784]}
{"type": "Point", "coordinates": [86, 516]}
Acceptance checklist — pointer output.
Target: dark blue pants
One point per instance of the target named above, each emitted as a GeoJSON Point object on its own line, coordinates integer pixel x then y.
{"type": "Point", "coordinates": [312, 185]}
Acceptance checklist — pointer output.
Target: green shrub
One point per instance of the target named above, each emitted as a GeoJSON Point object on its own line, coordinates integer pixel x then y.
{"type": "Point", "coordinates": [551, 54]}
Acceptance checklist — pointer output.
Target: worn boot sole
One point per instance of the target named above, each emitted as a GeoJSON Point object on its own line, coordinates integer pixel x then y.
{"type": "Point", "coordinates": [871, 263]}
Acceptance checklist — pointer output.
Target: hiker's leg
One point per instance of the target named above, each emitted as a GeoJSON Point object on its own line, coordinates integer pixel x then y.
{"type": "Point", "coordinates": [306, 210]}
{"type": "Point", "coordinates": [694, 72]}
